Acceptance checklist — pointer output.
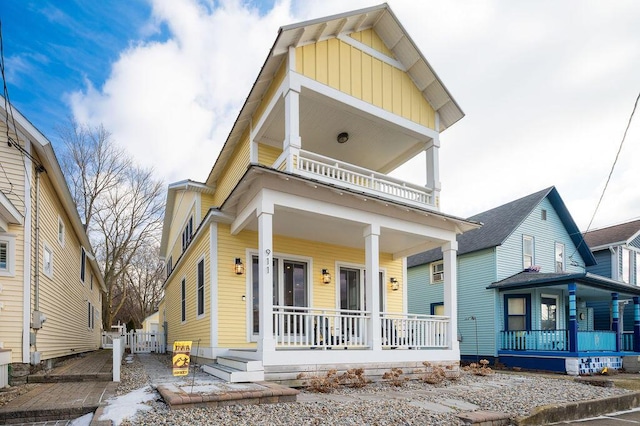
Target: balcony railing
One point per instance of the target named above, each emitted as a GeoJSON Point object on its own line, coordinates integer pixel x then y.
{"type": "Point", "coordinates": [336, 172]}
{"type": "Point", "coordinates": [301, 327]}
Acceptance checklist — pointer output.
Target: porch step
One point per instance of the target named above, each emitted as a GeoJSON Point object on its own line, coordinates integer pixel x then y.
{"type": "Point", "coordinates": [236, 370]}
{"type": "Point", "coordinates": [241, 364]}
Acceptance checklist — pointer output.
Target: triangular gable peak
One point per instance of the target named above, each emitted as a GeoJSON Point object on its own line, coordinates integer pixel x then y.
{"type": "Point", "coordinates": [383, 46]}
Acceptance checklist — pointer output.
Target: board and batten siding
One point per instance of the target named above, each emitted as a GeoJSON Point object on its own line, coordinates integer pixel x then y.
{"type": "Point", "coordinates": [545, 234]}
{"type": "Point", "coordinates": [194, 328]}
{"type": "Point", "coordinates": [234, 169]}
{"type": "Point", "coordinates": [63, 297]}
{"type": "Point", "coordinates": [348, 69]}
{"type": "Point", "coordinates": [232, 310]}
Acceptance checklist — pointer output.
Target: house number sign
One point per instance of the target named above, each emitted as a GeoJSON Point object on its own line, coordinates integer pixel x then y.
{"type": "Point", "coordinates": [267, 261]}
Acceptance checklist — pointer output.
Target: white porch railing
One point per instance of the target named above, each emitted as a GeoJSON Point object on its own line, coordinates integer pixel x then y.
{"type": "Point", "coordinates": [301, 327]}
{"type": "Point", "coordinates": [414, 331]}
{"type": "Point", "coordinates": [312, 327]}
{"type": "Point", "coordinates": [337, 172]}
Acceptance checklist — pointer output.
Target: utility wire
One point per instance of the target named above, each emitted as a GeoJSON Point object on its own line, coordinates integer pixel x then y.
{"type": "Point", "coordinates": [613, 166]}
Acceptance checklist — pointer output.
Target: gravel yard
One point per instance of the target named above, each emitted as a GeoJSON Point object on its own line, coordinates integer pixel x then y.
{"type": "Point", "coordinates": [378, 403]}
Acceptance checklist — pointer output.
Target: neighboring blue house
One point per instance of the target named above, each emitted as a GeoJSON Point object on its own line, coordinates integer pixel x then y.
{"type": "Point", "coordinates": [617, 251]}
{"type": "Point", "coordinates": [523, 291]}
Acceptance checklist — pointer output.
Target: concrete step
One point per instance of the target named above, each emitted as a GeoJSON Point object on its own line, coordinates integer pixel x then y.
{"type": "Point", "coordinates": [233, 375]}
{"type": "Point", "coordinates": [241, 364]}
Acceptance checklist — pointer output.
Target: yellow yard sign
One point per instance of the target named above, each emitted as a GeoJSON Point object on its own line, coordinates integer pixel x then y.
{"type": "Point", "coordinates": [181, 358]}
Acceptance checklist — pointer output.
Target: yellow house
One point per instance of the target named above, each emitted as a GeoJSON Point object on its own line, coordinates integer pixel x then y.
{"type": "Point", "coordinates": [50, 285]}
{"type": "Point", "coordinates": [297, 241]}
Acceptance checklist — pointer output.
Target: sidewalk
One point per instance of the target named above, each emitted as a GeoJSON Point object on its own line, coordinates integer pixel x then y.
{"type": "Point", "coordinates": [80, 389]}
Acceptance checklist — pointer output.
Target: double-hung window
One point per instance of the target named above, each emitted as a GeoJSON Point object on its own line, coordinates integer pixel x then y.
{"type": "Point", "coordinates": [527, 251]}
{"type": "Point", "coordinates": [200, 289]}
{"type": "Point", "coordinates": [60, 231]}
{"type": "Point", "coordinates": [187, 233]}
{"type": "Point", "coordinates": [47, 261]}
{"type": "Point", "coordinates": [183, 300]}
{"type": "Point", "coordinates": [7, 255]}
{"type": "Point", "coordinates": [83, 262]}
{"type": "Point", "coordinates": [517, 315]}
{"type": "Point", "coordinates": [559, 257]}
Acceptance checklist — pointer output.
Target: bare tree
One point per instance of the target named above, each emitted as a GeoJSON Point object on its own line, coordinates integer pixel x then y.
{"type": "Point", "coordinates": [121, 203]}
{"type": "Point", "coordinates": [93, 165]}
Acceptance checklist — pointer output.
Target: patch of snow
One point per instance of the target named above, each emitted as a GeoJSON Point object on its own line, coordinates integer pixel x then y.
{"type": "Point", "coordinates": [201, 389]}
{"type": "Point", "coordinates": [127, 405]}
{"type": "Point", "coordinates": [82, 421]}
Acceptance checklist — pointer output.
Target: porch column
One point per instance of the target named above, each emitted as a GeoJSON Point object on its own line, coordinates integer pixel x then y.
{"type": "Point", "coordinates": [372, 295]}
{"type": "Point", "coordinates": [573, 320]}
{"type": "Point", "coordinates": [433, 169]}
{"type": "Point", "coordinates": [292, 141]}
{"type": "Point", "coordinates": [266, 342]}
{"type": "Point", "coordinates": [615, 320]}
{"type": "Point", "coordinates": [636, 324]}
{"type": "Point", "coordinates": [449, 255]}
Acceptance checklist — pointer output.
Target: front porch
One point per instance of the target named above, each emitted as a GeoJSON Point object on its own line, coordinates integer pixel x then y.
{"type": "Point", "coordinates": [596, 327]}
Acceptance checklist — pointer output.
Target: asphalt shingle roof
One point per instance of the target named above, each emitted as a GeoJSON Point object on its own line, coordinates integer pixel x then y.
{"type": "Point", "coordinates": [497, 224]}
{"type": "Point", "coordinates": [612, 234]}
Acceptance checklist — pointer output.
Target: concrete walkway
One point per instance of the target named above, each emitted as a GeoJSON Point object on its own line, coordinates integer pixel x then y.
{"type": "Point", "coordinates": [84, 383]}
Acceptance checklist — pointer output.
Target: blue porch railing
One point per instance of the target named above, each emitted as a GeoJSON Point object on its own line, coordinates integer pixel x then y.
{"type": "Point", "coordinates": [558, 340]}
{"type": "Point", "coordinates": [535, 340]}
{"type": "Point", "coordinates": [596, 340]}
{"type": "Point", "coordinates": [627, 341]}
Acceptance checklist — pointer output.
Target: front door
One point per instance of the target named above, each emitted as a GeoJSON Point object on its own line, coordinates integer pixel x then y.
{"type": "Point", "coordinates": [290, 287]}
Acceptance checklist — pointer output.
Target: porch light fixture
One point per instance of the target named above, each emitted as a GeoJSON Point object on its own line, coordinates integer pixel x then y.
{"type": "Point", "coordinates": [326, 276]}
{"type": "Point", "coordinates": [394, 284]}
{"type": "Point", "coordinates": [343, 137]}
{"type": "Point", "coordinates": [239, 267]}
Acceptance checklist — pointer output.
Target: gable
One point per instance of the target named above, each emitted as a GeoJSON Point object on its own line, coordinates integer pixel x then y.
{"type": "Point", "coordinates": [370, 38]}
{"type": "Point", "coordinates": [351, 70]}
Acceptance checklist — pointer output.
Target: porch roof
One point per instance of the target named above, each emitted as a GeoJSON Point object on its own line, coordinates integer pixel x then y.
{"type": "Point", "coordinates": [527, 279]}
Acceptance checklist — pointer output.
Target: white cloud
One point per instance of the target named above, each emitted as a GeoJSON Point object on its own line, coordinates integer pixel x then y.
{"type": "Point", "coordinates": [547, 88]}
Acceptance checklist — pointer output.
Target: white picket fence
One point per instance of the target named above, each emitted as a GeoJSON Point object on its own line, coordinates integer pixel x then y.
{"type": "Point", "coordinates": [137, 341]}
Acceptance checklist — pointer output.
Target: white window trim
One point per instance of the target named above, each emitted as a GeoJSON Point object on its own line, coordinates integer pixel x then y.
{"type": "Point", "coordinates": [533, 250]}
{"type": "Point", "coordinates": [249, 283]}
{"type": "Point", "coordinates": [204, 285]}
{"type": "Point", "coordinates": [625, 278]}
{"type": "Point", "coordinates": [47, 249]}
{"type": "Point", "coordinates": [61, 231]}
{"type": "Point", "coordinates": [432, 273]}
{"type": "Point", "coordinates": [10, 239]}
{"type": "Point", "coordinates": [555, 256]}
{"type": "Point", "coordinates": [551, 296]}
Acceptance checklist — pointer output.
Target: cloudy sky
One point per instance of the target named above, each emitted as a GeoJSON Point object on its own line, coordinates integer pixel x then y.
{"type": "Point", "coordinates": [547, 86]}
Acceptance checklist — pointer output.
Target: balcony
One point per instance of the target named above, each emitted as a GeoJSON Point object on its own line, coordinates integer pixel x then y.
{"type": "Point", "coordinates": [349, 176]}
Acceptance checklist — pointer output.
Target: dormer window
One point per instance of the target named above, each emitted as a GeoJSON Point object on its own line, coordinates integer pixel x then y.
{"type": "Point", "coordinates": [187, 233]}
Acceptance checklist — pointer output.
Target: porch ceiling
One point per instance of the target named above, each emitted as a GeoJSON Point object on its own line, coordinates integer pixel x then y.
{"type": "Point", "coordinates": [311, 226]}
{"type": "Point", "coordinates": [373, 143]}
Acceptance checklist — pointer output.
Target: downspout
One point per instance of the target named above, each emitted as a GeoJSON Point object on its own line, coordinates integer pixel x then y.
{"type": "Point", "coordinates": [36, 280]}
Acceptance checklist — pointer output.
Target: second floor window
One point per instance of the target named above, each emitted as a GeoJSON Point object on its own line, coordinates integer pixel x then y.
{"type": "Point", "coordinates": [83, 262]}
{"type": "Point", "coordinates": [527, 251]}
{"type": "Point", "coordinates": [169, 266]}
{"type": "Point", "coordinates": [559, 257]}
{"type": "Point", "coordinates": [183, 302]}
{"type": "Point", "coordinates": [187, 233]}
{"type": "Point", "coordinates": [200, 289]}
{"type": "Point", "coordinates": [437, 272]}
